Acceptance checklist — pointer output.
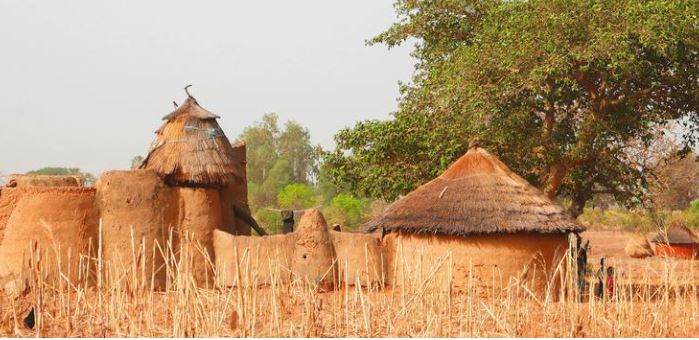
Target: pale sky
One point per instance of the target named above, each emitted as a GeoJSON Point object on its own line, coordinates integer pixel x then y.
{"type": "Point", "coordinates": [85, 83]}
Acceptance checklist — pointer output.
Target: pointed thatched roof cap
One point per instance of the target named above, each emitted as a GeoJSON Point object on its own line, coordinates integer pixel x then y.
{"type": "Point", "coordinates": [191, 149]}
{"type": "Point", "coordinates": [677, 233]}
{"type": "Point", "coordinates": [477, 194]}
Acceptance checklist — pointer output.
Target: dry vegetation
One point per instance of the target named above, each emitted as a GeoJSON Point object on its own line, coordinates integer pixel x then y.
{"type": "Point", "coordinates": [651, 303]}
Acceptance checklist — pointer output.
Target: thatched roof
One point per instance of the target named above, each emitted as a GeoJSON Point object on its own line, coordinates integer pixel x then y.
{"type": "Point", "coordinates": [191, 149]}
{"type": "Point", "coordinates": [638, 247]}
{"type": "Point", "coordinates": [677, 233]}
{"type": "Point", "coordinates": [477, 194]}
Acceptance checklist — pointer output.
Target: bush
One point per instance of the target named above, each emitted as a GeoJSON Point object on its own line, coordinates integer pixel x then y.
{"type": "Point", "coordinates": [296, 196]}
{"type": "Point", "coordinates": [692, 214]}
{"type": "Point", "coordinates": [625, 219]}
{"type": "Point", "coordinates": [270, 220]}
{"type": "Point", "coordinates": [348, 211]}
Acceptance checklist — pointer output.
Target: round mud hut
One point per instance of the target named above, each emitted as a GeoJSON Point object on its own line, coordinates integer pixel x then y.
{"type": "Point", "coordinates": [480, 222]}
{"type": "Point", "coordinates": [194, 157]}
{"type": "Point", "coordinates": [677, 241]}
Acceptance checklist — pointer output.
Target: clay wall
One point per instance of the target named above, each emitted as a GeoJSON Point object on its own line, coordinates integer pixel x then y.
{"type": "Point", "coordinates": [360, 258]}
{"type": "Point", "coordinates": [236, 193]}
{"type": "Point", "coordinates": [60, 221]}
{"type": "Point", "coordinates": [22, 180]}
{"type": "Point", "coordinates": [262, 259]}
{"type": "Point", "coordinates": [140, 213]}
{"type": "Point", "coordinates": [684, 251]}
{"type": "Point", "coordinates": [490, 261]}
{"type": "Point", "coordinates": [198, 215]}
{"type": "Point", "coordinates": [137, 211]}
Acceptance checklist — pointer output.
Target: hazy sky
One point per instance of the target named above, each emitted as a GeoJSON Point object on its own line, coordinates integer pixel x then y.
{"type": "Point", "coordinates": [85, 83]}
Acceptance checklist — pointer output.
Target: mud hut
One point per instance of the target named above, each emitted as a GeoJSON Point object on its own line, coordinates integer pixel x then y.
{"type": "Point", "coordinates": [676, 241]}
{"type": "Point", "coordinates": [489, 223]}
{"type": "Point", "coordinates": [207, 175]}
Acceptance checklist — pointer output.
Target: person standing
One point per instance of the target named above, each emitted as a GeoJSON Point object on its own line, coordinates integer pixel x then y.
{"type": "Point", "coordinates": [601, 274]}
{"type": "Point", "coordinates": [610, 282]}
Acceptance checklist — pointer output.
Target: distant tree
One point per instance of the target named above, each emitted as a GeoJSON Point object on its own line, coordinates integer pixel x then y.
{"type": "Point", "coordinates": [278, 177]}
{"type": "Point", "coordinates": [261, 143]}
{"type": "Point", "coordinates": [295, 146]}
{"type": "Point", "coordinates": [86, 177]}
{"type": "Point", "coordinates": [296, 196]}
{"type": "Point", "coordinates": [136, 162]}
{"type": "Point", "coordinates": [676, 183]}
{"type": "Point", "coordinates": [276, 158]}
{"type": "Point", "coordinates": [556, 88]}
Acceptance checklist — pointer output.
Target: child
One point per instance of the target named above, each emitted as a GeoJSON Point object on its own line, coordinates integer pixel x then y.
{"type": "Point", "coordinates": [610, 281]}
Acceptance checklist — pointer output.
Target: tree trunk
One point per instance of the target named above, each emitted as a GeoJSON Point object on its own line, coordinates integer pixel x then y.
{"type": "Point", "coordinates": [555, 176]}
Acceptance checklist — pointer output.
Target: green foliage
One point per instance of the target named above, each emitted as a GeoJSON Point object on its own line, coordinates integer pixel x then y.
{"type": "Point", "coordinates": [558, 89]}
{"type": "Point", "coordinates": [270, 220]}
{"type": "Point", "coordinates": [296, 196]}
{"type": "Point", "coordinates": [261, 144]}
{"type": "Point", "coordinates": [625, 219]}
{"type": "Point", "coordinates": [692, 214]}
{"type": "Point", "coordinates": [295, 146]}
{"type": "Point", "coordinates": [347, 210]}
{"type": "Point", "coordinates": [136, 162]}
{"type": "Point", "coordinates": [276, 158]}
{"type": "Point", "coordinates": [86, 177]}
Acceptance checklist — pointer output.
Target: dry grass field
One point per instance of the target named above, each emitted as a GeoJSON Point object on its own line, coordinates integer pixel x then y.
{"type": "Point", "coordinates": [655, 297]}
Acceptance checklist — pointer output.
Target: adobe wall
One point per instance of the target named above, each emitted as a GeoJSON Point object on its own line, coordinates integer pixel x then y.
{"type": "Point", "coordinates": [236, 193]}
{"type": "Point", "coordinates": [683, 251]}
{"type": "Point", "coordinates": [494, 259]}
{"type": "Point", "coordinates": [61, 220]}
{"type": "Point", "coordinates": [9, 198]}
{"type": "Point", "coordinates": [198, 215]}
{"type": "Point", "coordinates": [23, 180]}
{"type": "Point", "coordinates": [360, 257]}
{"type": "Point", "coordinates": [8, 201]}
{"type": "Point", "coordinates": [137, 210]}
{"type": "Point", "coordinates": [269, 257]}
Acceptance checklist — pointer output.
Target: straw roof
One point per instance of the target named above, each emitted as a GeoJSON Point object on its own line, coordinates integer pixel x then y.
{"type": "Point", "coordinates": [191, 149]}
{"type": "Point", "coordinates": [638, 247]}
{"type": "Point", "coordinates": [677, 233]}
{"type": "Point", "coordinates": [477, 194]}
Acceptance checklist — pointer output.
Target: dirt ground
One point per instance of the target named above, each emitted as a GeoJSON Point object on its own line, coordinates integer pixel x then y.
{"type": "Point", "coordinates": [610, 244]}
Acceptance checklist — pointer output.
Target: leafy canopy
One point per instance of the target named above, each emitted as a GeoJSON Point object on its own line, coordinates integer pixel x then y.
{"type": "Point", "coordinates": [558, 89]}
{"type": "Point", "coordinates": [86, 177]}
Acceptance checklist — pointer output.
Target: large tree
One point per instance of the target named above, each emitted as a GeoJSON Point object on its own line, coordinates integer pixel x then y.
{"type": "Point", "coordinates": [277, 157]}
{"type": "Point", "coordinates": [558, 89]}
{"type": "Point", "coordinates": [261, 142]}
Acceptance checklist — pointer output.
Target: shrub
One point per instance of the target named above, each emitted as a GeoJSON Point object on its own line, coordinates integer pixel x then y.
{"type": "Point", "coordinates": [270, 220]}
{"type": "Point", "coordinates": [296, 196]}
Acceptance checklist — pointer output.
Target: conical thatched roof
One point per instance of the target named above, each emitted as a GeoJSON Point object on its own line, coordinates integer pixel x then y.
{"type": "Point", "coordinates": [638, 247]}
{"type": "Point", "coordinates": [677, 233]}
{"type": "Point", "coordinates": [191, 149]}
{"type": "Point", "coordinates": [477, 194]}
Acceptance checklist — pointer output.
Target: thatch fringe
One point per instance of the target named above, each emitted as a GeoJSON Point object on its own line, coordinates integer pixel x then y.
{"type": "Point", "coordinates": [477, 194]}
